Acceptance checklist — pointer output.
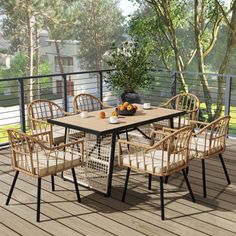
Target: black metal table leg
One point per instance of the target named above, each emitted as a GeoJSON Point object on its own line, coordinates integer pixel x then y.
{"type": "Point", "coordinates": [52, 182]}
{"type": "Point", "coordinates": [111, 164]}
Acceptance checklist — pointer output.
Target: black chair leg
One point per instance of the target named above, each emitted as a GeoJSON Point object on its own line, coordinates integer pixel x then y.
{"type": "Point", "coordinates": [187, 170]}
{"type": "Point", "coordinates": [12, 187]}
{"type": "Point", "coordinates": [76, 184]}
{"type": "Point", "coordinates": [52, 182]}
{"type": "Point", "coordinates": [38, 200]}
{"type": "Point", "coordinates": [188, 185]}
{"type": "Point", "coordinates": [126, 184]}
{"type": "Point", "coordinates": [204, 178]}
{"type": "Point", "coordinates": [166, 179]}
{"type": "Point", "coordinates": [162, 198]}
{"type": "Point", "coordinates": [225, 170]}
{"type": "Point", "coordinates": [149, 182]}
{"type": "Point", "coordinates": [62, 176]}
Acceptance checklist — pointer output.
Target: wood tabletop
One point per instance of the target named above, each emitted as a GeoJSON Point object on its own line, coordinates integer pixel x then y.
{"type": "Point", "coordinates": [95, 125]}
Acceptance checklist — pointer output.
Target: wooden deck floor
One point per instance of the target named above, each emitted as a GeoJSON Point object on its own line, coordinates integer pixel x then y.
{"type": "Point", "coordinates": [140, 215]}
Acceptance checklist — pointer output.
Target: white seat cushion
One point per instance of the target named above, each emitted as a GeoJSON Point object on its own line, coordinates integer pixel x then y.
{"type": "Point", "coordinates": [44, 165]}
{"type": "Point", "coordinates": [153, 162]}
{"type": "Point", "coordinates": [200, 148]}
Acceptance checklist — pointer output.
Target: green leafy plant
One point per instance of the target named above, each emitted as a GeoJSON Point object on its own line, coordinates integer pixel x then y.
{"type": "Point", "coordinates": [133, 67]}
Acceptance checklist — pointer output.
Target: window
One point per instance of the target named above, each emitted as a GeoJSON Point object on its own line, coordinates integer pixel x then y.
{"type": "Point", "coordinates": [67, 63]}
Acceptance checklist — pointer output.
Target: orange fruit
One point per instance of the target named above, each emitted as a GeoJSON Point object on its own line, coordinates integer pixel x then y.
{"type": "Point", "coordinates": [102, 114]}
{"type": "Point", "coordinates": [125, 104]}
{"type": "Point", "coordinates": [114, 113]}
{"type": "Point", "coordinates": [130, 107]}
{"type": "Point", "coordinates": [121, 108]}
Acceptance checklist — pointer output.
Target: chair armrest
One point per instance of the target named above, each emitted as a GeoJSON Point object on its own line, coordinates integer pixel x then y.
{"type": "Point", "coordinates": [44, 137]}
{"type": "Point", "coordinates": [168, 130]}
{"type": "Point", "coordinates": [198, 127]}
{"type": "Point", "coordinates": [38, 120]}
{"type": "Point", "coordinates": [139, 145]}
{"type": "Point", "coordinates": [157, 135]}
{"type": "Point", "coordinates": [61, 146]}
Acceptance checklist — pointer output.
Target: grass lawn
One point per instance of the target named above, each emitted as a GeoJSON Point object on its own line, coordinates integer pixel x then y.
{"type": "Point", "coordinates": [232, 125]}
{"type": "Point", "coordinates": [3, 132]}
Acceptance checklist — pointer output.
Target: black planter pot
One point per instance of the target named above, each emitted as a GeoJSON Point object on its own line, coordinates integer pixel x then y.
{"type": "Point", "coordinates": [130, 97]}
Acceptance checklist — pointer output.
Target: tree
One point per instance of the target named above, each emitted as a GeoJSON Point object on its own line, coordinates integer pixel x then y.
{"type": "Point", "coordinates": [99, 24]}
{"type": "Point", "coordinates": [22, 22]}
{"type": "Point", "coordinates": [18, 69]}
{"type": "Point", "coordinates": [203, 22]}
{"type": "Point", "coordinates": [60, 24]}
{"type": "Point", "coordinates": [18, 26]}
{"type": "Point", "coordinates": [231, 44]}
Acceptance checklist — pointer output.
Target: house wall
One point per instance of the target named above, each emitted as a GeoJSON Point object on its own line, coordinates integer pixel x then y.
{"type": "Point", "coordinates": [68, 48]}
{"type": "Point", "coordinates": [5, 60]}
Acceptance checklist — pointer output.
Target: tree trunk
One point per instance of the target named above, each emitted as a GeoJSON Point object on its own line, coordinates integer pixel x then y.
{"type": "Point", "coordinates": [59, 57]}
{"type": "Point", "coordinates": [37, 63]}
{"type": "Point", "coordinates": [231, 44]}
{"type": "Point", "coordinates": [200, 57]}
{"type": "Point", "coordinates": [171, 29]}
{"type": "Point", "coordinates": [30, 50]}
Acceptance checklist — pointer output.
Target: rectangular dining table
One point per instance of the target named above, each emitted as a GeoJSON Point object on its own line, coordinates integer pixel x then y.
{"type": "Point", "coordinates": [93, 124]}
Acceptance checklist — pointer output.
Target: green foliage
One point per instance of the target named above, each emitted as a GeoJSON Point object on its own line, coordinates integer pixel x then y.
{"type": "Point", "coordinates": [19, 69]}
{"type": "Point", "coordinates": [18, 66]}
{"type": "Point", "coordinates": [44, 69]}
{"type": "Point", "coordinates": [99, 23]}
{"type": "Point", "coordinates": [132, 63]}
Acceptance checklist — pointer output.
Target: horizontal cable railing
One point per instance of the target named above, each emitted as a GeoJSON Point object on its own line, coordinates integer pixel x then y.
{"type": "Point", "coordinates": [16, 93]}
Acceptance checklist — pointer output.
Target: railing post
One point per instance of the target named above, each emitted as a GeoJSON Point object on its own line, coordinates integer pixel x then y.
{"type": "Point", "coordinates": [22, 104]}
{"type": "Point", "coordinates": [174, 84]}
{"type": "Point", "coordinates": [101, 85]}
{"type": "Point", "coordinates": [64, 87]}
{"type": "Point", "coordinates": [228, 94]}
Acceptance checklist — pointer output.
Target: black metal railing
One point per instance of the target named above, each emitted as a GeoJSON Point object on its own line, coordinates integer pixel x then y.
{"type": "Point", "coordinates": [16, 93]}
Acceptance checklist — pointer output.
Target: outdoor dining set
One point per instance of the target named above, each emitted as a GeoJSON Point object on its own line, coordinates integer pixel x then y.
{"type": "Point", "coordinates": [155, 141]}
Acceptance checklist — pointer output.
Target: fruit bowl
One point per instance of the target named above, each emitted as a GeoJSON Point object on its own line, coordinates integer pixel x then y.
{"type": "Point", "coordinates": [126, 109]}
{"type": "Point", "coordinates": [126, 112]}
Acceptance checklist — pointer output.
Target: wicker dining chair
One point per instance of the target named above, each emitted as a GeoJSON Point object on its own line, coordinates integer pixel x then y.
{"type": "Point", "coordinates": [87, 102]}
{"type": "Point", "coordinates": [209, 140]}
{"type": "Point", "coordinates": [165, 157]}
{"type": "Point", "coordinates": [32, 156]}
{"type": "Point", "coordinates": [185, 102]}
{"type": "Point", "coordinates": [38, 111]}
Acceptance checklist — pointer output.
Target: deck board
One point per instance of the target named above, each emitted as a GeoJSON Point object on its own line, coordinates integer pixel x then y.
{"type": "Point", "coordinates": [61, 214]}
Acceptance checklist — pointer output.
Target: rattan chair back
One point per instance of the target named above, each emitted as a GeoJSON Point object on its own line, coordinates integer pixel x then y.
{"type": "Point", "coordinates": [38, 111]}
{"type": "Point", "coordinates": [86, 102]}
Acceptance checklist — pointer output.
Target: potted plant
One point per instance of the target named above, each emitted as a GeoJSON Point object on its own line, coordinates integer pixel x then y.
{"type": "Point", "coordinates": [133, 70]}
